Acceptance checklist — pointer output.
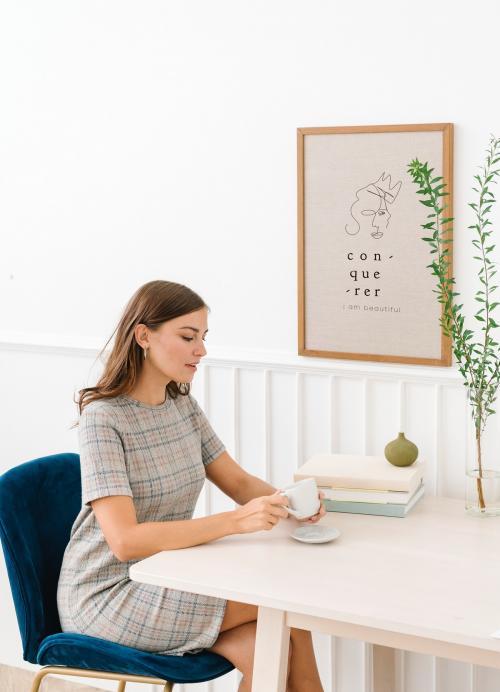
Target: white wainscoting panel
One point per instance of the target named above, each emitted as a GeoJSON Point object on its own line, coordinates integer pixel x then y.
{"type": "Point", "coordinates": [272, 412]}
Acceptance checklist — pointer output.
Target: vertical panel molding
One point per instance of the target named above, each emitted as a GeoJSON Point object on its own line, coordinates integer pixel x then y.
{"type": "Point", "coordinates": [364, 433]}
{"type": "Point", "coordinates": [236, 412]}
{"type": "Point", "coordinates": [267, 425]}
{"type": "Point", "coordinates": [299, 419]}
{"type": "Point", "coordinates": [402, 406]}
{"type": "Point", "coordinates": [437, 437]}
{"type": "Point", "coordinates": [206, 399]}
{"type": "Point", "coordinates": [332, 433]}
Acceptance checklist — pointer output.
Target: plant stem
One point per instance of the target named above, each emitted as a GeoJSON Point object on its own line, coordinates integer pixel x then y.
{"type": "Point", "coordinates": [479, 481]}
{"type": "Point", "coordinates": [483, 234]}
{"type": "Point", "coordinates": [479, 362]}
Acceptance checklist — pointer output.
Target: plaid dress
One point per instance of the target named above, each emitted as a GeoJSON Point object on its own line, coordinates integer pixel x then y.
{"type": "Point", "coordinates": [156, 455]}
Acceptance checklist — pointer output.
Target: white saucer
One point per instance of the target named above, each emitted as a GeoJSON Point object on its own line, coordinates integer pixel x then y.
{"type": "Point", "coordinates": [315, 534]}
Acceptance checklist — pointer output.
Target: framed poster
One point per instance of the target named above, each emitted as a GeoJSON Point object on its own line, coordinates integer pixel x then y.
{"type": "Point", "coordinates": [365, 292]}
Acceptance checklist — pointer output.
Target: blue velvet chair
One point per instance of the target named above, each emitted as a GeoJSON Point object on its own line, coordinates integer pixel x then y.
{"type": "Point", "coordinates": [39, 501]}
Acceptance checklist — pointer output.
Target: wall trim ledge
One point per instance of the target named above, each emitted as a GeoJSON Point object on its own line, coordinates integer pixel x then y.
{"type": "Point", "coordinates": [280, 361]}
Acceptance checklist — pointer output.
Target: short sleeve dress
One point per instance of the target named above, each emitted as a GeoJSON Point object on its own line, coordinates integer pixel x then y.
{"type": "Point", "coordinates": [156, 455]}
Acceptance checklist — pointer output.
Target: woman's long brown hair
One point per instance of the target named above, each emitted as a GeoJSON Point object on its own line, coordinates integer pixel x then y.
{"type": "Point", "coordinates": [153, 304]}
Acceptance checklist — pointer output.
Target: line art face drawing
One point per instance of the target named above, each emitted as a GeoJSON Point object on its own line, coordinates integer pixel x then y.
{"type": "Point", "coordinates": [369, 211]}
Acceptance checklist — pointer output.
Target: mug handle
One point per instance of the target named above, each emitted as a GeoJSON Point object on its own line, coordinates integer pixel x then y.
{"type": "Point", "coordinates": [293, 512]}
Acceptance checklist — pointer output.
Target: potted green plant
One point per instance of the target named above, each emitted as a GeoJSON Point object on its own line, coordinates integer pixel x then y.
{"type": "Point", "coordinates": [477, 354]}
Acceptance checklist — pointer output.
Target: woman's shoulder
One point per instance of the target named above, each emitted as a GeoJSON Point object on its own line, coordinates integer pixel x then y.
{"type": "Point", "coordinates": [186, 405]}
{"type": "Point", "coordinates": [187, 401]}
{"type": "Point", "coordinates": [102, 411]}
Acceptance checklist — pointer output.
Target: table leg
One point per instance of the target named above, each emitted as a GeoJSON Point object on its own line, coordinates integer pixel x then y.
{"type": "Point", "coordinates": [271, 651]}
{"type": "Point", "coordinates": [384, 669]}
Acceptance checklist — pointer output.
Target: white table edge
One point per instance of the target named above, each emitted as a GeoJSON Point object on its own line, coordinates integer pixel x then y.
{"type": "Point", "coordinates": [364, 628]}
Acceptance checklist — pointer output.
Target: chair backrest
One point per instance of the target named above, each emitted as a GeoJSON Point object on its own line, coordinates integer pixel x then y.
{"type": "Point", "coordinates": [39, 501]}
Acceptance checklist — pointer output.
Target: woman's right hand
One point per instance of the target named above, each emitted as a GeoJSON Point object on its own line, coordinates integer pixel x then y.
{"type": "Point", "coordinates": [261, 513]}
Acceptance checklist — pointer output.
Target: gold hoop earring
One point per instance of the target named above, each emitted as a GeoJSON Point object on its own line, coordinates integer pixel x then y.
{"type": "Point", "coordinates": [145, 353]}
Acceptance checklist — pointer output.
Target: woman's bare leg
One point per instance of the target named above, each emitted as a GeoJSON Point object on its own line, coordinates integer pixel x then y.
{"type": "Point", "coordinates": [303, 672]}
{"type": "Point", "coordinates": [238, 614]}
{"type": "Point", "coordinates": [237, 645]}
{"type": "Point", "coordinates": [236, 642]}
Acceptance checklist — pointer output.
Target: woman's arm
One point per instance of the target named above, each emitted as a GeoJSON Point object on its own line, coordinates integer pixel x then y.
{"type": "Point", "coordinates": [130, 540]}
{"type": "Point", "coordinates": [241, 486]}
{"type": "Point", "coordinates": [234, 481]}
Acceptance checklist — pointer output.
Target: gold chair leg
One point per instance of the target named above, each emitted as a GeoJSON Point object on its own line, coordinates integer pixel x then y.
{"type": "Point", "coordinates": [38, 679]}
{"type": "Point", "coordinates": [121, 678]}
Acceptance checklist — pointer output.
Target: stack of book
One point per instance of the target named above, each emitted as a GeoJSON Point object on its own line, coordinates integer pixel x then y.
{"type": "Point", "coordinates": [364, 484]}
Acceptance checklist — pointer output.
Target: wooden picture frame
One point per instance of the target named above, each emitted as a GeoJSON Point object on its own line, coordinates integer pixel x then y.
{"type": "Point", "coordinates": [364, 289]}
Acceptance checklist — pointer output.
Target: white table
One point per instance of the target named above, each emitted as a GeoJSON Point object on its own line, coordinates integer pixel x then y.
{"type": "Point", "coordinates": [428, 583]}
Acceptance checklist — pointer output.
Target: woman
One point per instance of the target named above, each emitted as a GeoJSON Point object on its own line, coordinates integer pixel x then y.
{"type": "Point", "coordinates": [371, 203]}
{"type": "Point", "coordinates": [146, 448]}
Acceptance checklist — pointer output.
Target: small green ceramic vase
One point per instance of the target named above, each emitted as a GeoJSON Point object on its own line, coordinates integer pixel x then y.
{"type": "Point", "coordinates": [401, 452]}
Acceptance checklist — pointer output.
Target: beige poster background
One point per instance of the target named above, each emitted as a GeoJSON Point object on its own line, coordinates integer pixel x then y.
{"type": "Point", "coordinates": [367, 288]}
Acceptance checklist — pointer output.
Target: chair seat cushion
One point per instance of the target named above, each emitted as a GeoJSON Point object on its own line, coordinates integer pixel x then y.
{"type": "Point", "coordinates": [79, 651]}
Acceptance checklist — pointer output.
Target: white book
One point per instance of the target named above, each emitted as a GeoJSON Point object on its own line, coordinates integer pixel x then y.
{"type": "Point", "coordinates": [360, 472]}
{"type": "Point", "coordinates": [398, 497]}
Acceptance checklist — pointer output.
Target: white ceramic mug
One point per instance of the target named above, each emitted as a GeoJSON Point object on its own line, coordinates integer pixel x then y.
{"type": "Point", "coordinates": [303, 498]}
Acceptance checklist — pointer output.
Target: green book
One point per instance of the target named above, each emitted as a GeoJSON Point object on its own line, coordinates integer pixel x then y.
{"type": "Point", "coordinates": [387, 509]}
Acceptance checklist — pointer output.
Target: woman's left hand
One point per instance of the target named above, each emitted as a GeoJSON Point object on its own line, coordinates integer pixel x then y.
{"type": "Point", "coordinates": [319, 514]}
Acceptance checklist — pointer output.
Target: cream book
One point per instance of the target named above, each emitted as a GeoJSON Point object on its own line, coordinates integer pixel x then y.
{"type": "Point", "coordinates": [398, 497]}
{"type": "Point", "coordinates": [362, 472]}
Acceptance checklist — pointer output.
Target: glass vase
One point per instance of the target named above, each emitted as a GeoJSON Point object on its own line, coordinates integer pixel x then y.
{"type": "Point", "coordinates": [482, 483]}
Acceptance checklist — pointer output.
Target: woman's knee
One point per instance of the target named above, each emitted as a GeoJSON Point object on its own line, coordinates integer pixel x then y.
{"type": "Point", "coordinates": [238, 646]}
{"type": "Point", "coordinates": [238, 614]}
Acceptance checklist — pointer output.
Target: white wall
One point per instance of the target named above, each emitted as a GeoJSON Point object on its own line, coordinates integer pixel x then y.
{"type": "Point", "coordinates": [156, 139]}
